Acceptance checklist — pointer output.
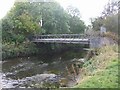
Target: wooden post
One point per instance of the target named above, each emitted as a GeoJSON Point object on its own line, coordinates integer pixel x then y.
{"type": "Point", "coordinates": [67, 70]}
{"type": "Point", "coordinates": [74, 70]}
{"type": "Point", "coordinates": [75, 74]}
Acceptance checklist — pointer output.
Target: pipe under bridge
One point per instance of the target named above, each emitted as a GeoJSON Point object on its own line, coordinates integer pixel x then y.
{"type": "Point", "coordinates": [62, 38]}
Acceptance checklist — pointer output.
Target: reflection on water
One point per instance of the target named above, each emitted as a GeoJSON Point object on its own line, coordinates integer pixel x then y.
{"type": "Point", "coordinates": [17, 70]}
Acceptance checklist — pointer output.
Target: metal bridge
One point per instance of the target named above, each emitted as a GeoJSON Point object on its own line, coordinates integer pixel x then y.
{"type": "Point", "coordinates": [62, 38]}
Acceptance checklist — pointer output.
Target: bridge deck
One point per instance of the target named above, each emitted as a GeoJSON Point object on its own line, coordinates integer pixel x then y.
{"type": "Point", "coordinates": [62, 38]}
{"type": "Point", "coordinates": [91, 40]}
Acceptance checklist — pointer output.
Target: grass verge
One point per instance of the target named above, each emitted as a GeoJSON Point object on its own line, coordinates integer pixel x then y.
{"type": "Point", "coordinates": [101, 71]}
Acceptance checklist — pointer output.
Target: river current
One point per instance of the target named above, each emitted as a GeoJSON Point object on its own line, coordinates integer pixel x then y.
{"type": "Point", "coordinates": [25, 72]}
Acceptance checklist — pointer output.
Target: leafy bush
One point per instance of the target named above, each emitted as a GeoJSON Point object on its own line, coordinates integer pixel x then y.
{"type": "Point", "coordinates": [13, 50]}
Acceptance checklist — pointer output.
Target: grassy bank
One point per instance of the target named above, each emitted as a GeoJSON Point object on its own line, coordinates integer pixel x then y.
{"type": "Point", "coordinates": [101, 71]}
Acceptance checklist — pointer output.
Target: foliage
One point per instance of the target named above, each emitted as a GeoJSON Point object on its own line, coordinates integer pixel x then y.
{"type": "Point", "coordinates": [23, 21]}
{"type": "Point", "coordinates": [109, 18]}
{"type": "Point", "coordinates": [54, 18]}
{"type": "Point", "coordinates": [76, 25]}
{"type": "Point", "coordinates": [104, 78]}
{"type": "Point", "coordinates": [10, 50]}
{"type": "Point", "coordinates": [101, 71]}
{"type": "Point", "coordinates": [111, 8]}
{"type": "Point", "coordinates": [114, 36]}
{"type": "Point", "coordinates": [18, 22]}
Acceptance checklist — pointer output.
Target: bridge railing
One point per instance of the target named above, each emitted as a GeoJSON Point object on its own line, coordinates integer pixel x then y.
{"type": "Point", "coordinates": [51, 36]}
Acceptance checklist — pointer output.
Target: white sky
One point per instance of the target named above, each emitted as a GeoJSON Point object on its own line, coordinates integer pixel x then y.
{"type": "Point", "coordinates": [5, 6]}
{"type": "Point", "coordinates": [87, 8]}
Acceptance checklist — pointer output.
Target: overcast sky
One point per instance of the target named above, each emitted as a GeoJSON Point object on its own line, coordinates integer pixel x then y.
{"type": "Point", "coordinates": [87, 8]}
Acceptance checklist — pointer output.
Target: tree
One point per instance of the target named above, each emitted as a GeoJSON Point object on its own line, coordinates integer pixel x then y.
{"type": "Point", "coordinates": [110, 9]}
{"type": "Point", "coordinates": [109, 18]}
{"type": "Point", "coordinates": [76, 25]}
{"type": "Point", "coordinates": [73, 11]}
{"type": "Point", "coordinates": [20, 23]}
{"type": "Point", "coordinates": [55, 19]}
{"type": "Point", "coordinates": [24, 18]}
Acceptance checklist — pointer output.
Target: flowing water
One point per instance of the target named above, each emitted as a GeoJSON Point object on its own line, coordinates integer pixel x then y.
{"type": "Point", "coordinates": [30, 71]}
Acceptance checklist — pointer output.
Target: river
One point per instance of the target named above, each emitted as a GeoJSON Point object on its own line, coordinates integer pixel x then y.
{"type": "Point", "coordinates": [34, 71]}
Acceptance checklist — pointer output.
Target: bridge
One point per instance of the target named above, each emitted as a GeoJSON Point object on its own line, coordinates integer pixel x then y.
{"type": "Point", "coordinates": [94, 41]}
{"type": "Point", "coordinates": [62, 38]}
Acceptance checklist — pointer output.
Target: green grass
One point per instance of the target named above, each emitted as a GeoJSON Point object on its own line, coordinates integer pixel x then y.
{"type": "Point", "coordinates": [105, 78]}
{"type": "Point", "coordinates": [105, 72]}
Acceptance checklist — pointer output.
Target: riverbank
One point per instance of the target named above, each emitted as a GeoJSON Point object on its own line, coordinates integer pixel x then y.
{"type": "Point", "coordinates": [12, 50]}
{"type": "Point", "coordinates": [28, 49]}
{"type": "Point", "coordinates": [16, 71]}
{"type": "Point", "coordinates": [101, 71]}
